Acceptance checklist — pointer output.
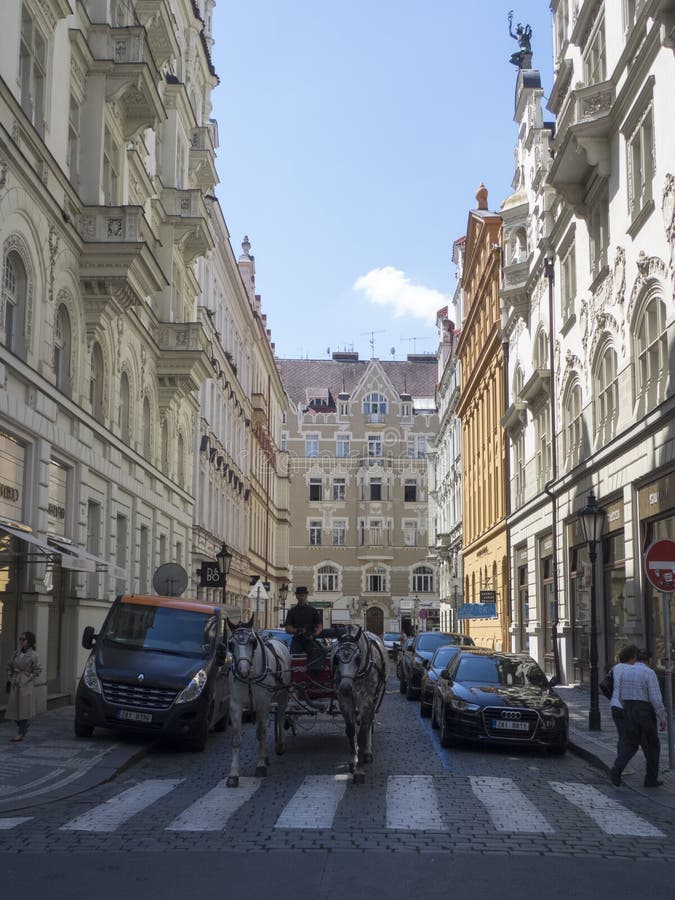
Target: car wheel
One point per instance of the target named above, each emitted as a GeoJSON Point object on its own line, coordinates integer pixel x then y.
{"type": "Point", "coordinates": [82, 730]}
{"type": "Point", "coordinates": [447, 740]}
{"type": "Point", "coordinates": [198, 742]}
{"type": "Point", "coordinates": [425, 709]}
{"type": "Point", "coordinates": [559, 748]}
{"type": "Point", "coordinates": [412, 693]}
{"type": "Point", "coordinates": [434, 718]}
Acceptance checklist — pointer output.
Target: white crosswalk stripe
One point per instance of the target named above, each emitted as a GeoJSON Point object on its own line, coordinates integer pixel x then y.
{"type": "Point", "coordinates": [610, 815]}
{"type": "Point", "coordinates": [211, 812]}
{"type": "Point", "coordinates": [508, 807]}
{"type": "Point", "coordinates": [412, 804]}
{"type": "Point", "coordinates": [315, 802]}
{"type": "Point", "coordinates": [110, 815]}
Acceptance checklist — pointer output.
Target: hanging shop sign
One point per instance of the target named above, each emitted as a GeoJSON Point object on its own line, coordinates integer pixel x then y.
{"type": "Point", "coordinates": [12, 462]}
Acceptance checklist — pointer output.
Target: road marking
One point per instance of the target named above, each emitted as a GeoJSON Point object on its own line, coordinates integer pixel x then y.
{"type": "Point", "coordinates": [412, 804]}
{"type": "Point", "coordinates": [315, 802]}
{"type": "Point", "coordinates": [114, 812]}
{"type": "Point", "coordinates": [508, 807]}
{"type": "Point", "coordinates": [608, 814]}
{"type": "Point", "coordinates": [211, 812]}
{"type": "Point", "coordinates": [6, 824]}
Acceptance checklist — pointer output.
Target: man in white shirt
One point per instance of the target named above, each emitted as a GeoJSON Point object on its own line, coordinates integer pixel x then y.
{"type": "Point", "coordinates": [638, 691]}
{"type": "Point", "coordinates": [627, 657]}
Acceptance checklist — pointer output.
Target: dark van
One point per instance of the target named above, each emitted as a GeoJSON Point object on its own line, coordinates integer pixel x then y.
{"type": "Point", "coordinates": [158, 666]}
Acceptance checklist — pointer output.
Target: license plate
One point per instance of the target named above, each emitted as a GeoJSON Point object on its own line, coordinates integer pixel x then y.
{"type": "Point", "coordinates": [130, 716]}
{"type": "Point", "coordinates": [510, 725]}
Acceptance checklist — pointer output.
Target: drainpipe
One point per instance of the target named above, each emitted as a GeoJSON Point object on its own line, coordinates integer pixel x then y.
{"type": "Point", "coordinates": [549, 272]}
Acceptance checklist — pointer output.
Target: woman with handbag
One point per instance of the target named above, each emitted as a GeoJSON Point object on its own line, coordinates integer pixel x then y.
{"type": "Point", "coordinates": [23, 669]}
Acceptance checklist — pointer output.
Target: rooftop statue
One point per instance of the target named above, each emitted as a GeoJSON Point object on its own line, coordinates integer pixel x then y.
{"type": "Point", "coordinates": [521, 58]}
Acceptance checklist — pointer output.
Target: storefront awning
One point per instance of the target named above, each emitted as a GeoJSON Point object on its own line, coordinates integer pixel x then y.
{"type": "Point", "coordinates": [40, 546]}
{"type": "Point", "coordinates": [84, 561]}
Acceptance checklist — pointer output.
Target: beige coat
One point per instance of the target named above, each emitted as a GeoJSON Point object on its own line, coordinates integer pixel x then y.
{"type": "Point", "coordinates": [22, 671]}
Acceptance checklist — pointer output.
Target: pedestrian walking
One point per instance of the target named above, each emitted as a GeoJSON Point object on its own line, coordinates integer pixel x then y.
{"type": "Point", "coordinates": [23, 669]}
{"type": "Point", "coordinates": [638, 691]}
{"type": "Point", "coordinates": [627, 657]}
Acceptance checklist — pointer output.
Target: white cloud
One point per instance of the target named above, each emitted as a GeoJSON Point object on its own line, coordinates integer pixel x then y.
{"type": "Point", "coordinates": [392, 288]}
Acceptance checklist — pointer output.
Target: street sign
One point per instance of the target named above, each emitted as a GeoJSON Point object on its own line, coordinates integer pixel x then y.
{"type": "Point", "coordinates": [660, 565]}
{"type": "Point", "coordinates": [477, 611]}
{"type": "Point", "coordinates": [488, 596]}
{"type": "Point", "coordinates": [258, 592]}
{"type": "Point", "coordinates": [423, 613]}
{"type": "Point", "coordinates": [209, 574]}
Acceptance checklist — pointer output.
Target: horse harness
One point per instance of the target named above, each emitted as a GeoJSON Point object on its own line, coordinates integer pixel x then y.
{"type": "Point", "coordinates": [347, 648]}
{"type": "Point", "coordinates": [244, 636]}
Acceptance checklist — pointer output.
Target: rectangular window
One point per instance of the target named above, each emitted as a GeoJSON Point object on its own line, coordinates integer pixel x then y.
{"type": "Point", "coordinates": [32, 72]}
{"type": "Point", "coordinates": [339, 489]}
{"type": "Point", "coordinates": [73, 157]}
{"type": "Point", "coordinates": [110, 169]}
{"type": "Point", "coordinates": [640, 147]}
{"type": "Point", "coordinates": [375, 488]}
{"type": "Point", "coordinates": [410, 490]}
{"type": "Point", "coordinates": [410, 534]}
{"type": "Point", "coordinates": [339, 532]}
{"type": "Point", "coordinates": [315, 489]}
{"type": "Point", "coordinates": [312, 445]}
{"type": "Point", "coordinates": [93, 540]}
{"type": "Point", "coordinates": [376, 582]}
{"type": "Point", "coordinates": [342, 446]}
{"type": "Point", "coordinates": [543, 447]}
{"type": "Point", "coordinates": [374, 445]}
{"type": "Point", "coordinates": [315, 529]}
{"type": "Point", "coordinates": [417, 446]}
{"type": "Point", "coordinates": [595, 58]}
{"type": "Point", "coordinates": [568, 282]}
{"type": "Point", "coordinates": [343, 409]}
{"type": "Point", "coordinates": [598, 232]}
{"type": "Point", "coordinates": [284, 441]}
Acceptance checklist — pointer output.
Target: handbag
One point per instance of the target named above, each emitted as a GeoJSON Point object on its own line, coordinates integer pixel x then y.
{"type": "Point", "coordinates": [607, 684]}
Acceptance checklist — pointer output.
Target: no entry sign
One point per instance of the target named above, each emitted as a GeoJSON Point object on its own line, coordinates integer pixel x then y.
{"type": "Point", "coordinates": [660, 565]}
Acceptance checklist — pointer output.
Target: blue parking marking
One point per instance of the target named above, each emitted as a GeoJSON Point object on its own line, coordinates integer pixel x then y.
{"type": "Point", "coordinates": [441, 752]}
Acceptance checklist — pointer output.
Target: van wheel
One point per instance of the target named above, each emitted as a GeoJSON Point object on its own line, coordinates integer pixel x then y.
{"type": "Point", "coordinates": [82, 730]}
{"type": "Point", "coordinates": [198, 742]}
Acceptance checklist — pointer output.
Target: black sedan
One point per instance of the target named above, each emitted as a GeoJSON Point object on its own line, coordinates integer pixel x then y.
{"type": "Point", "coordinates": [432, 670]}
{"type": "Point", "coordinates": [494, 697]}
{"type": "Point", "coordinates": [422, 648]}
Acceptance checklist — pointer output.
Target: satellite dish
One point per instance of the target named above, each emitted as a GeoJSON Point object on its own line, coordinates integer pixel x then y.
{"type": "Point", "coordinates": [170, 580]}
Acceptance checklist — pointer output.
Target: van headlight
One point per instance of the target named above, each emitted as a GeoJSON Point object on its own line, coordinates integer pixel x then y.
{"type": "Point", "coordinates": [194, 689]}
{"type": "Point", "coordinates": [90, 676]}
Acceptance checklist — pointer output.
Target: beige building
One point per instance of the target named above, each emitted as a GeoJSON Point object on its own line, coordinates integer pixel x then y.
{"type": "Point", "coordinates": [357, 433]}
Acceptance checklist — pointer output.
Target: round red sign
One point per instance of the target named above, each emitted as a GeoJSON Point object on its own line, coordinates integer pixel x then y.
{"type": "Point", "coordinates": [423, 613]}
{"type": "Point", "coordinates": [660, 565]}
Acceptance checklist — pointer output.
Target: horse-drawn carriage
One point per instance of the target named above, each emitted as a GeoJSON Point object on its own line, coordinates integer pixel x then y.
{"type": "Point", "coordinates": [349, 680]}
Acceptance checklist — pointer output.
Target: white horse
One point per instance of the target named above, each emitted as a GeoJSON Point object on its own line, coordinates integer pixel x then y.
{"type": "Point", "coordinates": [259, 676]}
{"type": "Point", "coordinates": [360, 667]}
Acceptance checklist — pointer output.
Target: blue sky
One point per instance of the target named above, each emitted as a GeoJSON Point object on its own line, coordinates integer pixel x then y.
{"type": "Point", "coordinates": [353, 136]}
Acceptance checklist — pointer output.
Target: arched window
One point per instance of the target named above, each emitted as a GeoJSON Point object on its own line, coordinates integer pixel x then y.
{"type": "Point", "coordinates": [573, 426]}
{"type": "Point", "coordinates": [96, 383]}
{"type": "Point", "coordinates": [606, 396]}
{"type": "Point", "coordinates": [375, 405]}
{"type": "Point", "coordinates": [180, 462]}
{"type": "Point", "coordinates": [327, 578]}
{"type": "Point", "coordinates": [422, 579]}
{"type": "Point", "coordinates": [376, 579]}
{"type": "Point", "coordinates": [518, 382]}
{"type": "Point", "coordinates": [651, 355]}
{"type": "Point", "coordinates": [124, 408]}
{"type": "Point", "coordinates": [164, 446]}
{"type": "Point", "coordinates": [147, 429]}
{"type": "Point", "coordinates": [14, 292]}
{"type": "Point", "coordinates": [62, 345]}
{"type": "Point", "coordinates": [541, 360]}
{"type": "Point", "coordinates": [519, 246]}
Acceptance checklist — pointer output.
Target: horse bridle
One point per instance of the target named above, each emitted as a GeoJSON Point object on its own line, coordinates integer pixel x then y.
{"type": "Point", "coordinates": [244, 636]}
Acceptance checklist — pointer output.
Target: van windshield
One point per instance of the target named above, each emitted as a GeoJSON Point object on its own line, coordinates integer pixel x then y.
{"type": "Point", "coordinates": [162, 630]}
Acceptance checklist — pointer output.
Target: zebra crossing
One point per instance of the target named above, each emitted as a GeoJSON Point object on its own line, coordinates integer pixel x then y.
{"type": "Point", "coordinates": [413, 803]}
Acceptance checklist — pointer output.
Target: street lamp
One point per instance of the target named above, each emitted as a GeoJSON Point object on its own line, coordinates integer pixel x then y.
{"type": "Point", "coordinates": [364, 608]}
{"type": "Point", "coordinates": [283, 594]}
{"type": "Point", "coordinates": [592, 520]}
{"type": "Point", "coordinates": [224, 558]}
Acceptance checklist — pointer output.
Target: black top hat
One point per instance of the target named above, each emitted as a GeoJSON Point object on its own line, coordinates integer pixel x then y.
{"type": "Point", "coordinates": [301, 589]}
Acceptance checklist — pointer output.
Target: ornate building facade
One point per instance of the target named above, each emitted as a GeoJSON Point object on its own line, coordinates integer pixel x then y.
{"type": "Point", "coordinates": [357, 434]}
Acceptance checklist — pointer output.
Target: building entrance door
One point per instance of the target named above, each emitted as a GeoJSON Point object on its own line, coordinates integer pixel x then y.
{"type": "Point", "coordinates": [375, 620]}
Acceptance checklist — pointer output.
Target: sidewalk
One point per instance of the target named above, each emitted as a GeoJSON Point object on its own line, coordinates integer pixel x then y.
{"type": "Point", "coordinates": [52, 763]}
{"type": "Point", "coordinates": [599, 747]}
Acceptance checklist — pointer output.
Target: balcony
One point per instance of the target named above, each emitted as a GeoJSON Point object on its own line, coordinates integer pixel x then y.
{"type": "Point", "coordinates": [183, 359]}
{"type": "Point", "coordinates": [132, 78]}
{"type": "Point", "coordinates": [118, 262]}
{"type": "Point", "coordinates": [159, 23]}
{"type": "Point", "coordinates": [187, 212]}
{"type": "Point", "coordinates": [374, 418]}
{"type": "Point", "coordinates": [515, 417]}
{"type": "Point", "coordinates": [201, 160]}
{"type": "Point", "coordinates": [583, 141]}
{"type": "Point", "coordinates": [535, 391]}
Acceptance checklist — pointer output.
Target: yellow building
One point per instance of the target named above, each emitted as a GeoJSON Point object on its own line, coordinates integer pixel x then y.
{"type": "Point", "coordinates": [480, 408]}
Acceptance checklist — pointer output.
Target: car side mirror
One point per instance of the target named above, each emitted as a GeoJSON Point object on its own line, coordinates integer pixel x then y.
{"type": "Point", "coordinates": [445, 675]}
{"type": "Point", "coordinates": [88, 637]}
{"type": "Point", "coordinates": [426, 663]}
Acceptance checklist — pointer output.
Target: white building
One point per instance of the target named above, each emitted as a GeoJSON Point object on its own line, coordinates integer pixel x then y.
{"type": "Point", "coordinates": [598, 200]}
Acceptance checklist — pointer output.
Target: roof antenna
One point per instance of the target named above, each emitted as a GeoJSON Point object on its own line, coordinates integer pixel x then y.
{"type": "Point", "coordinates": [372, 340]}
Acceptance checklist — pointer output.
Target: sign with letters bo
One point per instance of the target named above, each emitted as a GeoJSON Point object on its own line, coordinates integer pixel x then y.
{"type": "Point", "coordinates": [660, 565]}
{"type": "Point", "coordinates": [209, 574]}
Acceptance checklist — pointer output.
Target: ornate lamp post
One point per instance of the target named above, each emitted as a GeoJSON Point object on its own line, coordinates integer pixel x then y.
{"type": "Point", "coordinates": [592, 520]}
{"type": "Point", "coordinates": [283, 594]}
{"type": "Point", "coordinates": [224, 558]}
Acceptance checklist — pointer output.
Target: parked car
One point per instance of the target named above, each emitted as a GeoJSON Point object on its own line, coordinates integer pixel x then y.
{"type": "Point", "coordinates": [389, 638]}
{"type": "Point", "coordinates": [432, 670]}
{"type": "Point", "coordinates": [158, 666]}
{"type": "Point", "coordinates": [494, 697]}
{"type": "Point", "coordinates": [399, 662]}
{"type": "Point", "coordinates": [422, 648]}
